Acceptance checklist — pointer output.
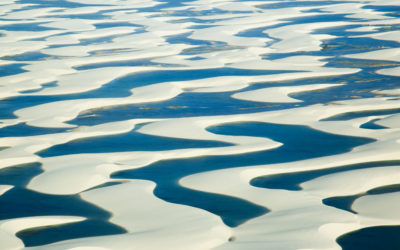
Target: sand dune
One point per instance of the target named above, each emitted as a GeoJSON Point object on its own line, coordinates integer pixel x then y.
{"type": "Point", "coordinates": [208, 124]}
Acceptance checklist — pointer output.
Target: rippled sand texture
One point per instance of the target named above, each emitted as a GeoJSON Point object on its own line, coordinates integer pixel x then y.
{"type": "Point", "coordinates": [208, 124]}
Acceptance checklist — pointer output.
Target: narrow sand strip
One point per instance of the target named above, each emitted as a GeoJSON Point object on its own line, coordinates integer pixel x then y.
{"type": "Point", "coordinates": [278, 94]}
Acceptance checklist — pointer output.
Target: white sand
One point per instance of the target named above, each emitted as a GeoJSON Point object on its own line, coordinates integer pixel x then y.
{"type": "Point", "coordinates": [390, 71]}
{"type": "Point", "coordinates": [383, 206]}
{"type": "Point", "coordinates": [392, 121]}
{"type": "Point", "coordinates": [314, 227]}
{"type": "Point", "coordinates": [278, 94]}
{"type": "Point", "coordinates": [8, 228]}
{"type": "Point", "coordinates": [390, 36]}
{"type": "Point", "coordinates": [5, 188]}
{"type": "Point", "coordinates": [164, 221]}
{"type": "Point", "coordinates": [382, 54]}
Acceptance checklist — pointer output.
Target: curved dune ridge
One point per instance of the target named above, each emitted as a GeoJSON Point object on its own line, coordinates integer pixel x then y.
{"type": "Point", "coordinates": [199, 124]}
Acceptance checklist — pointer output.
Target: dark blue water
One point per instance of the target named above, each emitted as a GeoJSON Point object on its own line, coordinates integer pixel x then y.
{"type": "Point", "coordinates": [121, 87]}
{"type": "Point", "coordinates": [299, 142]}
{"type": "Point", "coordinates": [372, 125]}
{"type": "Point", "coordinates": [288, 4]}
{"type": "Point", "coordinates": [372, 238]}
{"type": "Point", "coordinates": [21, 202]}
{"type": "Point", "coordinates": [345, 202]}
{"type": "Point", "coordinates": [292, 181]}
{"type": "Point", "coordinates": [125, 142]}
{"type": "Point", "coordinates": [11, 69]}
{"type": "Point", "coordinates": [353, 115]}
